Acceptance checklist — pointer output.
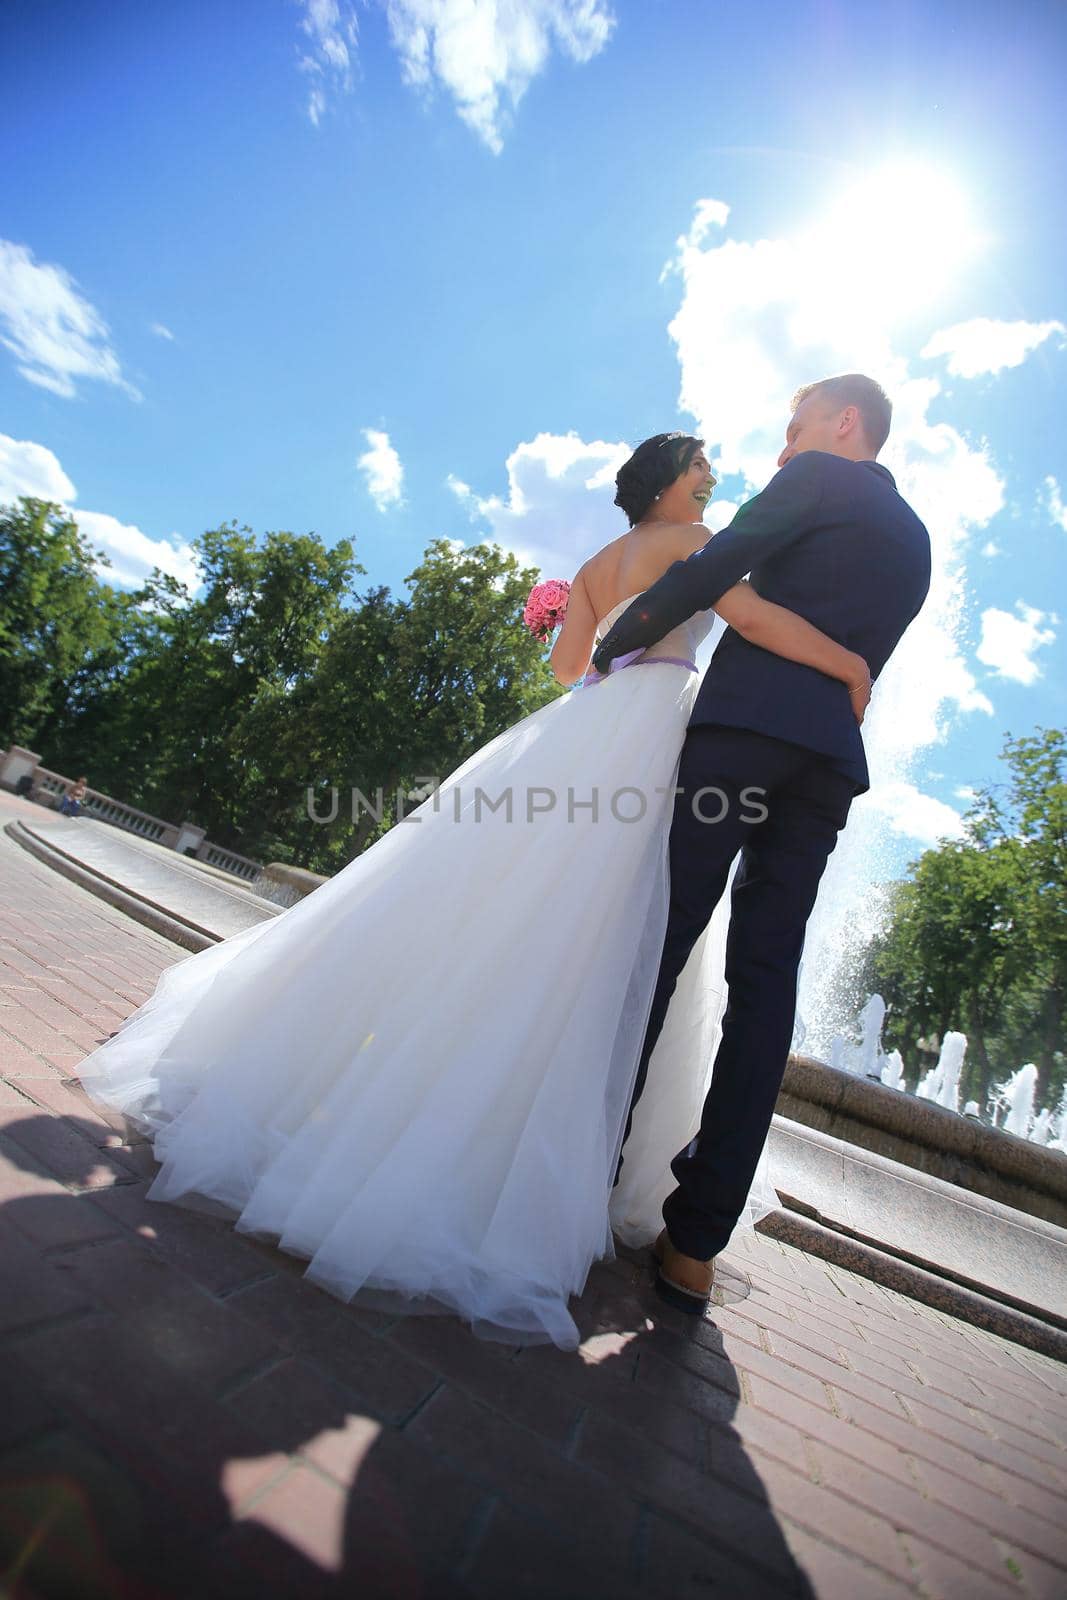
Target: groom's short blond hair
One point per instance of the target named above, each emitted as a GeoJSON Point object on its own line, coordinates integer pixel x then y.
{"type": "Point", "coordinates": [853, 389]}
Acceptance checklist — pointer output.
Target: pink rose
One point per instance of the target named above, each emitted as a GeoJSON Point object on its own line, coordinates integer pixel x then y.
{"type": "Point", "coordinates": [546, 606]}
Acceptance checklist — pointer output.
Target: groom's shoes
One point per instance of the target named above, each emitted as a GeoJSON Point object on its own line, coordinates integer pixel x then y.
{"type": "Point", "coordinates": [682, 1281]}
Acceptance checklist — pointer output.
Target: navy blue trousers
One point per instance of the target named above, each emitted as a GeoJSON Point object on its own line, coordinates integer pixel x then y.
{"type": "Point", "coordinates": [782, 806]}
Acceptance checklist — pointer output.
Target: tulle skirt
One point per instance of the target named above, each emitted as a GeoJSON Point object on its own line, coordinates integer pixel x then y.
{"type": "Point", "coordinates": [418, 1077]}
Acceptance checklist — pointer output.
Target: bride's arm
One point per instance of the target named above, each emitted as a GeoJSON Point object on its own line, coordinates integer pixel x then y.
{"type": "Point", "coordinates": [569, 656]}
{"type": "Point", "coordinates": [781, 631]}
{"type": "Point", "coordinates": [785, 633]}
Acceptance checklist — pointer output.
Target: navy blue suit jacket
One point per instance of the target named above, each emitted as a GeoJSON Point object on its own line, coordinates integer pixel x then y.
{"type": "Point", "coordinates": [832, 540]}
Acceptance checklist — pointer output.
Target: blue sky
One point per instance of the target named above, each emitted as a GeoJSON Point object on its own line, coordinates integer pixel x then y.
{"type": "Point", "coordinates": [248, 247]}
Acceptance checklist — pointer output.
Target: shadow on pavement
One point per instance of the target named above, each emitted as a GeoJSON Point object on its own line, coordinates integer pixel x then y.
{"type": "Point", "coordinates": [187, 1417]}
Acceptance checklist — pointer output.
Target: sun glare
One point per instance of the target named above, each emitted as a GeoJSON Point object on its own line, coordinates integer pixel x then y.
{"type": "Point", "coordinates": [906, 231]}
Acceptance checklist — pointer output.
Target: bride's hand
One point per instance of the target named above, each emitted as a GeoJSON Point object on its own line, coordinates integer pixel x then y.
{"type": "Point", "coordinates": [859, 689]}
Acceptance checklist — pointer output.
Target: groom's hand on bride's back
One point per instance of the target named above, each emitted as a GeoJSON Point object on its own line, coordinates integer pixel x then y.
{"type": "Point", "coordinates": [609, 647]}
{"type": "Point", "coordinates": [605, 652]}
{"type": "Point", "coordinates": [634, 630]}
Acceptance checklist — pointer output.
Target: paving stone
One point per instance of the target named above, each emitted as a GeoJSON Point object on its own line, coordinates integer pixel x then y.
{"type": "Point", "coordinates": [523, 1560]}
{"type": "Point", "coordinates": [813, 1422]}
{"type": "Point", "coordinates": [608, 1383]}
{"type": "Point", "coordinates": [829, 1515]}
{"type": "Point", "coordinates": [487, 1370]}
{"type": "Point", "coordinates": [1047, 1502]}
{"type": "Point", "coordinates": [1039, 1580]}
{"type": "Point", "coordinates": [727, 1506]}
{"type": "Point", "coordinates": [944, 1577]}
{"type": "Point", "coordinates": [15, 1059]}
{"type": "Point", "coordinates": [684, 1567]}
{"type": "Point", "coordinates": [307, 1510]}
{"type": "Point", "coordinates": [61, 1146]}
{"type": "Point", "coordinates": [167, 1322]}
{"type": "Point", "coordinates": [33, 1289]}
{"type": "Point", "coordinates": [26, 1411]}
{"type": "Point", "coordinates": [986, 1509]}
{"type": "Point", "coordinates": [41, 1209]}
{"type": "Point", "coordinates": [239, 1432]}
{"type": "Point", "coordinates": [836, 1574]}
{"type": "Point", "coordinates": [906, 1508]}
{"type": "Point", "coordinates": [377, 1377]}
{"type": "Point", "coordinates": [294, 1402]}
{"type": "Point", "coordinates": [592, 1511]}
{"type": "Point", "coordinates": [991, 1440]}
{"type": "Point", "coordinates": [967, 1458]}
{"type": "Point", "coordinates": [206, 1248]}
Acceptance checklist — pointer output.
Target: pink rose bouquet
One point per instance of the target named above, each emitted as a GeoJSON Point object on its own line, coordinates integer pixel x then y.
{"type": "Point", "coordinates": [546, 607]}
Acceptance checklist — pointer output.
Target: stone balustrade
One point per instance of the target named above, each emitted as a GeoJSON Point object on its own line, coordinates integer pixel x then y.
{"type": "Point", "coordinates": [21, 772]}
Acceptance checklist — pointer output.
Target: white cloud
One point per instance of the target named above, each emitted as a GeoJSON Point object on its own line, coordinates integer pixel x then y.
{"type": "Point", "coordinates": [756, 320]}
{"type": "Point", "coordinates": [33, 470]}
{"type": "Point", "coordinates": [985, 345]}
{"type": "Point", "coordinates": [161, 331]}
{"type": "Point", "coordinates": [133, 554]}
{"type": "Point", "coordinates": [707, 214]}
{"type": "Point", "coordinates": [1054, 502]}
{"type": "Point", "coordinates": [484, 54]}
{"type": "Point", "coordinates": [759, 317]}
{"type": "Point", "coordinates": [991, 548]}
{"type": "Point", "coordinates": [559, 508]}
{"type": "Point", "coordinates": [382, 469]}
{"type": "Point", "coordinates": [1008, 642]}
{"type": "Point", "coordinates": [56, 336]}
{"type": "Point", "coordinates": [331, 27]}
{"type": "Point", "coordinates": [719, 513]}
{"type": "Point", "coordinates": [908, 812]}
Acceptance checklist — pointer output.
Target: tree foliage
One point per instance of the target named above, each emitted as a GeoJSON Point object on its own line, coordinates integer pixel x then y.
{"type": "Point", "coordinates": [245, 705]}
{"type": "Point", "coordinates": [54, 614]}
{"type": "Point", "coordinates": [977, 937]}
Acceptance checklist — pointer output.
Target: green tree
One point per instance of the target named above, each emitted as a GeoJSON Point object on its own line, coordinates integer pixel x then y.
{"type": "Point", "coordinates": [408, 689]}
{"type": "Point", "coordinates": [174, 731]}
{"type": "Point", "coordinates": [951, 956]}
{"type": "Point", "coordinates": [274, 679]}
{"type": "Point", "coordinates": [977, 937]}
{"type": "Point", "coordinates": [1030, 809]}
{"type": "Point", "coordinates": [54, 613]}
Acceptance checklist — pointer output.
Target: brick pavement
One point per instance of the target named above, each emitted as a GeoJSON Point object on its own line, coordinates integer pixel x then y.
{"type": "Point", "coordinates": [185, 1417]}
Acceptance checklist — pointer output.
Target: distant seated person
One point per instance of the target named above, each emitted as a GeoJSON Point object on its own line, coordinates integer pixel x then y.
{"type": "Point", "coordinates": [70, 805]}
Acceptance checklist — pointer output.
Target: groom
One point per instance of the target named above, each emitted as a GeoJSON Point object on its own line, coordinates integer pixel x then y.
{"type": "Point", "coordinates": [830, 538]}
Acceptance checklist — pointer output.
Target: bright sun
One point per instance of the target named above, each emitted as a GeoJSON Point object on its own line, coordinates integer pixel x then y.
{"type": "Point", "coordinates": [906, 231]}
{"type": "Point", "coordinates": [893, 241]}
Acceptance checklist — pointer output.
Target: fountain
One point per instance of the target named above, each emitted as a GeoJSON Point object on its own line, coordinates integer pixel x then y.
{"type": "Point", "coordinates": [942, 1083]}
{"type": "Point", "coordinates": [865, 1059]}
{"type": "Point", "coordinates": [840, 1096]}
{"type": "Point", "coordinates": [1017, 1095]}
{"type": "Point", "coordinates": [893, 1071]}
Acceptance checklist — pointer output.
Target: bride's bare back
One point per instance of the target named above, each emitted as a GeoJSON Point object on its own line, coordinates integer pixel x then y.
{"type": "Point", "coordinates": [627, 566]}
{"type": "Point", "coordinates": [634, 561]}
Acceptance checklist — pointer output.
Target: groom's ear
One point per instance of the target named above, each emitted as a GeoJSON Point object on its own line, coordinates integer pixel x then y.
{"type": "Point", "coordinates": [848, 421]}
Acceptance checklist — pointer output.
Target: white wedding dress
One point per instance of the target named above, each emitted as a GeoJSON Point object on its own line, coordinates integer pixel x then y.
{"type": "Point", "coordinates": [418, 1077]}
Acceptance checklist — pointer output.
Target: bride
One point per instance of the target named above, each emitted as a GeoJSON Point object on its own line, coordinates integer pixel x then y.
{"type": "Point", "coordinates": [418, 1077]}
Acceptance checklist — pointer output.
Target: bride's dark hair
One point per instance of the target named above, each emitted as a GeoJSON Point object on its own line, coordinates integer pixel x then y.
{"type": "Point", "coordinates": [653, 467]}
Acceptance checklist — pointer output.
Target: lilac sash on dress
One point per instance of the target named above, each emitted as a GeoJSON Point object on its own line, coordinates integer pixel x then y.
{"type": "Point", "coordinates": [631, 657]}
